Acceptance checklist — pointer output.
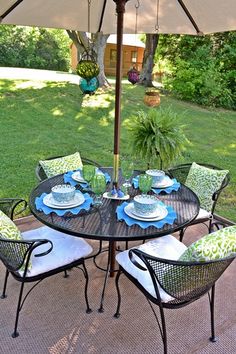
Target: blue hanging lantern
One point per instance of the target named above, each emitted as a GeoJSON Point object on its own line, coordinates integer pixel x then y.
{"type": "Point", "coordinates": [89, 86]}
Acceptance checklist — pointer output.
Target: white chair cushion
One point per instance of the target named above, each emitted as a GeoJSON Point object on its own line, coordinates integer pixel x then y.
{"type": "Point", "coordinates": [66, 249]}
{"type": "Point", "coordinates": [203, 214]}
{"type": "Point", "coordinates": [166, 247]}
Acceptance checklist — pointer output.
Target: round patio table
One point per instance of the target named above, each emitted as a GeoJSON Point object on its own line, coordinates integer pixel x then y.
{"type": "Point", "coordinates": [102, 223]}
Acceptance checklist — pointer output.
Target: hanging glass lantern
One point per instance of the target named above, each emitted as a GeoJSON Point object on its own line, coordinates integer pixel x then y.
{"type": "Point", "coordinates": [87, 67]}
{"type": "Point", "coordinates": [133, 75]}
{"type": "Point", "coordinates": [89, 86]}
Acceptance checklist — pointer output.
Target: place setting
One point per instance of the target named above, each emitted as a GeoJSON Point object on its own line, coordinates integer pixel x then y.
{"type": "Point", "coordinates": [146, 210]}
{"type": "Point", "coordinates": [84, 175]}
{"type": "Point", "coordinates": [62, 199]}
{"type": "Point", "coordinates": [160, 182]}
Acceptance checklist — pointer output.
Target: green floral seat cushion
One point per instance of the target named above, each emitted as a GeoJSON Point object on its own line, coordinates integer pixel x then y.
{"type": "Point", "coordinates": [205, 182]}
{"type": "Point", "coordinates": [61, 164]}
{"type": "Point", "coordinates": [219, 244]}
{"type": "Point", "coordinates": [8, 229]}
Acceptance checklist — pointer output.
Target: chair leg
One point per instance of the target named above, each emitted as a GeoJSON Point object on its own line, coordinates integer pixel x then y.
{"type": "Point", "coordinates": [213, 338]}
{"type": "Point", "coordinates": [3, 296]}
{"type": "Point", "coordinates": [86, 288]}
{"type": "Point", "coordinates": [66, 275]}
{"type": "Point", "coordinates": [19, 306]}
{"type": "Point", "coordinates": [163, 324]}
{"type": "Point", "coordinates": [117, 314]}
{"type": "Point", "coordinates": [181, 234]}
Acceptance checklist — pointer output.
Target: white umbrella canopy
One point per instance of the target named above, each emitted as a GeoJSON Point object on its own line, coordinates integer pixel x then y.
{"type": "Point", "coordinates": [206, 16]}
{"type": "Point", "coordinates": [123, 16]}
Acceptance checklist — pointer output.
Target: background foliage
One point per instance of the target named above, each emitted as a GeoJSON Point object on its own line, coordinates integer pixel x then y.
{"type": "Point", "coordinates": [36, 48]}
{"type": "Point", "coordinates": [200, 69]}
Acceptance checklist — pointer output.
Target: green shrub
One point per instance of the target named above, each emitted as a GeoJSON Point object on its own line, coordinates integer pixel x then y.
{"type": "Point", "coordinates": [34, 48]}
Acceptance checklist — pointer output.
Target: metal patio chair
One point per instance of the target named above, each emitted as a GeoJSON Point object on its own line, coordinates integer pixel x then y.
{"type": "Point", "coordinates": [180, 172]}
{"type": "Point", "coordinates": [170, 284]}
{"type": "Point", "coordinates": [40, 253]}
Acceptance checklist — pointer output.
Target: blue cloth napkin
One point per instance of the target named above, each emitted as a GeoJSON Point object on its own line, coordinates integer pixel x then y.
{"type": "Point", "coordinates": [69, 179]}
{"type": "Point", "coordinates": [167, 190]}
{"type": "Point", "coordinates": [169, 219]}
{"type": "Point", "coordinates": [60, 212]}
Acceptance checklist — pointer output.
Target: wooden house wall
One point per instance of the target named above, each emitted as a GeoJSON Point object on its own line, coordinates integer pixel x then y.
{"type": "Point", "coordinates": [110, 61]}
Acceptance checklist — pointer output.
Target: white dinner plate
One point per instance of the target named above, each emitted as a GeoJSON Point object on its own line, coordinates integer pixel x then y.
{"type": "Point", "coordinates": [77, 177]}
{"type": "Point", "coordinates": [167, 182]}
{"type": "Point", "coordinates": [49, 201]}
{"type": "Point", "coordinates": [129, 210]}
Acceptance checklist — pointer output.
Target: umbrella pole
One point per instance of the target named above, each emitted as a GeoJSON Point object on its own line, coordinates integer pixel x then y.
{"type": "Point", "coordinates": [120, 10]}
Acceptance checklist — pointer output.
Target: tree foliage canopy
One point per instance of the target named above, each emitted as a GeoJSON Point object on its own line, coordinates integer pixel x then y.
{"type": "Point", "coordinates": [201, 69]}
{"type": "Point", "coordinates": [37, 48]}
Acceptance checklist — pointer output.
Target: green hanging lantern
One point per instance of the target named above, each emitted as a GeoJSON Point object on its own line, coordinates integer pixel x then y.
{"type": "Point", "coordinates": [87, 67]}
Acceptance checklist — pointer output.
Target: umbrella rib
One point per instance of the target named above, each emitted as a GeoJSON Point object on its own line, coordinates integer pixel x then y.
{"type": "Point", "coordinates": [10, 9]}
{"type": "Point", "coordinates": [102, 15]}
{"type": "Point", "coordinates": [189, 16]}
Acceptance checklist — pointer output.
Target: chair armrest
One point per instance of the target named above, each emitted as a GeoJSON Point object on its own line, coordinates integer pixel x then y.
{"type": "Point", "coordinates": [8, 206]}
{"type": "Point", "coordinates": [16, 253]}
{"type": "Point", "coordinates": [134, 261]}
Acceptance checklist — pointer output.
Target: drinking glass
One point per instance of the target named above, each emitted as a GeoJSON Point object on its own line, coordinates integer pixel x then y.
{"type": "Point", "coordinates": [88, 173]}
{"type": "Point", "coordinates": [145, 183]}
{"type": "Point", "coordinates": [127, 168]}
{"type": "Point", "coordinates": [98, 185]}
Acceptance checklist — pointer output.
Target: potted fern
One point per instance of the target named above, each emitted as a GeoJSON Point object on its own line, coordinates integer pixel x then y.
{"type": "Point", "coordinates": [157, 136]}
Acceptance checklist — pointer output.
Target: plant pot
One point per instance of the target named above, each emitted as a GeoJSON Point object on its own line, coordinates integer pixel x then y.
{"type": "Point", "coordinates": [152, 99]}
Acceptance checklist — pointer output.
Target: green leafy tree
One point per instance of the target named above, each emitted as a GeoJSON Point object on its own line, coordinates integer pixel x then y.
{"type": "Point", "coordinates": [201, 69]}
{"type": "Point", "coordinates": [34, 48]}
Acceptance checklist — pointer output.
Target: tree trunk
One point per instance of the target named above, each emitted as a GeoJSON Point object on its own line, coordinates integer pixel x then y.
{"type": "Point", "coordinates": [100, 41]}
{"type": "Point", "coordinates": [148, 60]}
{"type": "Point", "coordinates": [96, 43]}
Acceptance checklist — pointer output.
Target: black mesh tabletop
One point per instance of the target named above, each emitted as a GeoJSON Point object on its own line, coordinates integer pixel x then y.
{"type": "Point", "coordinates": [102, 224]}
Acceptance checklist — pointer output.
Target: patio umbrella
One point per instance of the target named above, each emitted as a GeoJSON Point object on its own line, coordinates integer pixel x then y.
{"type": "Point", "coordinates": [119, 16]}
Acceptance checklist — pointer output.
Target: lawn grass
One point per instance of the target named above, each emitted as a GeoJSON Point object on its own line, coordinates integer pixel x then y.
{"type": "Point", "coordinates": [42, 119]}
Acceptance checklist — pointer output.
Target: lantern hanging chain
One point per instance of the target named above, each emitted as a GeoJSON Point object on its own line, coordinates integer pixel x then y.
{"type": "Point", "coordinates": [137, 5]}
{"type": "Point", "coordinates": [89, 8]}
{"type": "Point", "coordinates": [157, 18]}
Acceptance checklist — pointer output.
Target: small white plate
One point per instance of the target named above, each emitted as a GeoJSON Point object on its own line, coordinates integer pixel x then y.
{"type": "Point", "coordinates": [77, 177]}
{"type": "Point", "coordinates": [108, 196]}
{"type": "Point", "coordinates": [49, 201]}
{"type": "Point", "coordinates": [167, 182]}
{"type": "Point", "coordinates": [155, 214]}
{"type": "Point", "coordinates": [129, 210]}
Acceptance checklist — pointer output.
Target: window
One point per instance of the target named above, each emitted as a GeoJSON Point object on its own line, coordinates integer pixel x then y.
{"type": "Point", "coordinates": [112, 57]}
{"type": "Point", "coordinates": [134, 56]}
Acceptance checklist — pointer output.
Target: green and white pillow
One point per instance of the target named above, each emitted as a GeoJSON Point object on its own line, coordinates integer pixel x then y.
{"type": "Point", "coordinates": [205, 182]}
{"type": "Point", "coordinates": [219, 244]}
{"type": "Point", "coordinates": [8, 229]}
{"type": "Point", "coordinates": [61, 164]}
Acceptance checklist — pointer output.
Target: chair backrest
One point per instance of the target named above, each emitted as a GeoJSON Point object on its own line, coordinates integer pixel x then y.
{"type": "Point", "coordinates": [184, 281]}
{"type": "Point", "coordinates": [12, 206]}
{"type": "Point", "coordinates": [41, 175]}
{"type": "Point", "coordinates": [180, 172]}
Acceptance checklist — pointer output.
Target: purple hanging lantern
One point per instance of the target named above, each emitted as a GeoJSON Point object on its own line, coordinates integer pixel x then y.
{"type": "Point", "coordinates": [133, 76]}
